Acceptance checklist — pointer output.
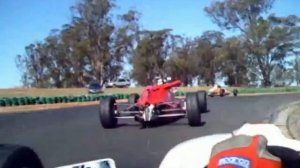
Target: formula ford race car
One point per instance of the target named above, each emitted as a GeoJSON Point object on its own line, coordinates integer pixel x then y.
{"type": "Point", "coordinates": [156, 101]}
{"type": "Point", "coordinates": [219, 91]}
{"type": "Point", "coordinates": [194, 153]}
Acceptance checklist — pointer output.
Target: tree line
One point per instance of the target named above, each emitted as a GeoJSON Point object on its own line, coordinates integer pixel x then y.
{"type": "Point", "coordinates": [96, 44]}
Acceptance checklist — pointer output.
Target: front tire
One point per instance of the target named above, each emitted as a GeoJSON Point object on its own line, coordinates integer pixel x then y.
{"type": "Point", "coordinates": [107, 113]}
{"type": "Point", "coordinates": [202, 101]}
{"type": "Point", "coordinates": [15, 156]}
{"type": "Point", "coordinates": [192, 109]}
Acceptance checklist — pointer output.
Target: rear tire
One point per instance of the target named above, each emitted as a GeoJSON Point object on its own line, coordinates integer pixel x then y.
{"type": "Point", "coordinates": [15, 156]}
{"type": "Point", "coordinates": [133, 98]}
{"type": "Point", "coordinates": [192, 109]}
{"type": "Point", "coordinates": [107, 113]}
{"type": "Point", "coordinates": [202, 101]}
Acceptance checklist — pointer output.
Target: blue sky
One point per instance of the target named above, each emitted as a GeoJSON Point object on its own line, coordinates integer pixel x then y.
{"type": "Point", "coordinates": [23, 22]}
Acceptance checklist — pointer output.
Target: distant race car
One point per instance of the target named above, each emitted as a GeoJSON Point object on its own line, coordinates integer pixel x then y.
{"type": "Point", "coordinates": [156, 101]}
{"type": "Point", "coordinates": [219, 91]}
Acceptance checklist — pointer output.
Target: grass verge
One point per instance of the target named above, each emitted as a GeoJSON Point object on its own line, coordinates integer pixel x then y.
{"type": "Point", "coordinates": [20, 92]}
{"type": "Point", "coordinates": [268, 90]}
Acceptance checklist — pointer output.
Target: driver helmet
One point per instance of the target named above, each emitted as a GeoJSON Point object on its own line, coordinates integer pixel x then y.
{"type": "Point", "coordinates": [243, 151]}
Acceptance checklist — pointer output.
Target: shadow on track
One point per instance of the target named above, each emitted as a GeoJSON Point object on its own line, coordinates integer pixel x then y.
{"type": "Point", "coordinates": [171, 122]}
{"type": "Point", "coordinates": [159, 123]}
{"type": "Point", "coordinates": [166, 121]}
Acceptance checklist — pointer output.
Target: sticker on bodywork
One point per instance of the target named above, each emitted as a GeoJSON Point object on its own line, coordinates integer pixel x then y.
{"type": "Point", "coordinates": [236, 161]}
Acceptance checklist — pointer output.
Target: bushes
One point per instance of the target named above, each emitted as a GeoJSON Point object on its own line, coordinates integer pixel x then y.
{"type": "Point", "coordinates": [2, 102]}
{"type": "Point", "coordinates": [17, 101]}
{"type": "Point", "coordinates": [180, 94]}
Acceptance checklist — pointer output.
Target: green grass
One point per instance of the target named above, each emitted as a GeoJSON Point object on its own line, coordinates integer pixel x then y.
{"type": "Point", "coordinates": [23, 92]}
{"type": "Point", "coordinates": [267, 90]}
{"type": "Point", "coordinates": [33, 92]}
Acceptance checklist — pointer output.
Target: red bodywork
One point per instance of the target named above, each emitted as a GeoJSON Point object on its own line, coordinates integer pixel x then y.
{"type": "Point", "coordinates": [155, 94]}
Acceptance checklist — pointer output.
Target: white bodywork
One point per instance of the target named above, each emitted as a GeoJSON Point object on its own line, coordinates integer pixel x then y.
{"type": "Point", "coordinates": [212, 90]}
{"type": "Point", "coordinates": [122, 82]}
{"type": "Point", "coordinates": [119, 83]}
{"type": "Point", "coordinates": [148, 113]}
{"type": "Point", "coordinates": [110, 84]}
{"type": "Point", "coordinates": [101, 163]}
{"type": "Point", "coordinates": [195, 153]}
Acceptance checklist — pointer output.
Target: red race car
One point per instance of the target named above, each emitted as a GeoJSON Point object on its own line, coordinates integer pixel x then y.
{"type": "Point", "coordinates": [156, 101]}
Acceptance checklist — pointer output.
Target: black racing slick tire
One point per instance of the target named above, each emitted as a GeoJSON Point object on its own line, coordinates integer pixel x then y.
{"type": "Point", "coordinates": [289, 157]}
{"type": "Point", "coordinates": [202, 101]}
{"type": "Point", "coordinates": [193, 110]}
{"type": "Point", "coordinates": [15, 156]}
{"type": "Point", "coordinates": [107, 113]}
{"type": "Point", "coordinates": [133, 98]}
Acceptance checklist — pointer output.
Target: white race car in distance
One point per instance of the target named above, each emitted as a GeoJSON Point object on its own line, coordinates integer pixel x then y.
{"type": "Point", "coordinates": [220, 91]}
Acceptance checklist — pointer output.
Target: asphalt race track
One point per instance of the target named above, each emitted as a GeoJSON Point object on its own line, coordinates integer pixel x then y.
{"type": "Point", "coordinates": [74, 135]}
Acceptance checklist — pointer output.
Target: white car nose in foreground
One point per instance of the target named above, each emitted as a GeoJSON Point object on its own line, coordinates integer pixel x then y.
{"type": "Point", "coordinates": [195, 153]}
{"type": "Point", "coordinates": [101, 163]}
